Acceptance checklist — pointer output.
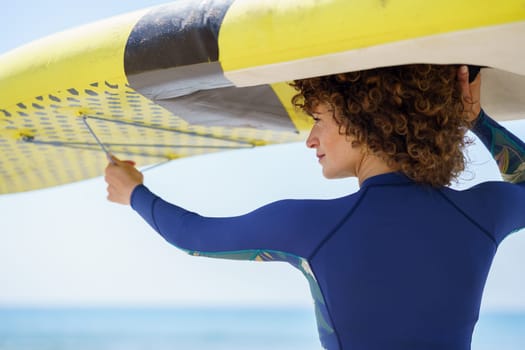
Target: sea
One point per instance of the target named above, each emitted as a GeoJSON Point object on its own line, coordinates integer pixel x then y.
{"type": "Point", "coordinates": [218, 328]}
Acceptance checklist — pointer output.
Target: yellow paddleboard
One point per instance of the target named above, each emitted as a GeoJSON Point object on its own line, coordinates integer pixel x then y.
{"type": "Point", "coordinates": [199, 76]}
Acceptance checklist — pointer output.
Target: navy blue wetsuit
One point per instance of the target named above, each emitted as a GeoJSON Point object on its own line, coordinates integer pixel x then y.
{"type": "Point", "coordinates": [396, 265]}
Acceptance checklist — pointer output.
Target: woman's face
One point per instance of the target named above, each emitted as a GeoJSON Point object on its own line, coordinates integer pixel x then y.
{"type": "Point", "coordinates": [337, 154]}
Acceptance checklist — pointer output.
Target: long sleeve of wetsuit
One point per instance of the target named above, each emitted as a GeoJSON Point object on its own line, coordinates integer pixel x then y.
{"type": "Point", "coordinates": [278, 231]}
{"type": "Point", "coordinates": [507, 149]}
{"type": "Point", "coordinates": [503, 209]}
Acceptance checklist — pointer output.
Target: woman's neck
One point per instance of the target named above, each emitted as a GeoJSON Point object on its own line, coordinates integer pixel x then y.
{"type": "Point", "coordinates": [372, 165]}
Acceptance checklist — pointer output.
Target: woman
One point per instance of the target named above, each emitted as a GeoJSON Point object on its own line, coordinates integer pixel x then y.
{"type": "Point", "coordinates": [400, 264]}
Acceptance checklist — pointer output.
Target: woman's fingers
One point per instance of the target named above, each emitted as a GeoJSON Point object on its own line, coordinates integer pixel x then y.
{"type": "Point", "coordinates": [471, 93]}
{"type": "Point", "coordinates": [122, 178]}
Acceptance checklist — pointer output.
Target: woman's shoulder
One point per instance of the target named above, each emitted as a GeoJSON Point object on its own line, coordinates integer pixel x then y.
{"type": "Point", "coordinates": [488, 191]}
{"type": "Point", "coordinates": [317, 203]}
{"type": "Point", "coordinates": [495, 205]}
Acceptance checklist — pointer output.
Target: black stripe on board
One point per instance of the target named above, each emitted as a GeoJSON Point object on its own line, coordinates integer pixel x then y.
{"type": "Point", "coordinates": [178, 34]}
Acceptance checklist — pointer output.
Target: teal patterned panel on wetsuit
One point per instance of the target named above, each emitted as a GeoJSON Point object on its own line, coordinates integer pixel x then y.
{"type": "Point", "coordinates": [507, 150]}
{"type": "Point", "coordinates": [324, 323]}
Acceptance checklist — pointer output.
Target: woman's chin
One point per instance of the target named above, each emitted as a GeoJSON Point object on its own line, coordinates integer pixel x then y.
{"type": "Point", "coordinates": [333, 176]}
{"type": "Point", "coordinates": [330, 175]}
{"type": "Point", "coordinates": [327, 174]}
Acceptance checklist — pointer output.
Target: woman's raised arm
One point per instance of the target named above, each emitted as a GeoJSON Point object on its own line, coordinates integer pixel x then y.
{"type": "Point", "coordinates": [506, 148]}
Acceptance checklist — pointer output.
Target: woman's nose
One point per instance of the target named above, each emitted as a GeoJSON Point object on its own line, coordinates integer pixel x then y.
{"type": "Point", "coordinates": [312, 141]}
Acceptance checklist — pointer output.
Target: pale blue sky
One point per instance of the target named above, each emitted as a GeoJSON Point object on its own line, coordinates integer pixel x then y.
{"type": "Point", "coordinates": [68, 245]}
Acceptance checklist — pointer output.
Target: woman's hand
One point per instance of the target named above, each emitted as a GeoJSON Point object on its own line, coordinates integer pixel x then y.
{"type": "Point", "coordinates": [471, 93]}
{"type": "Point", "coordinates": [122, 177]}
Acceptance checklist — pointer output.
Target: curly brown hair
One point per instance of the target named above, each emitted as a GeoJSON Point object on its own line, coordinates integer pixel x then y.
{"type": "Point", "coordinates": [411, 116]}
